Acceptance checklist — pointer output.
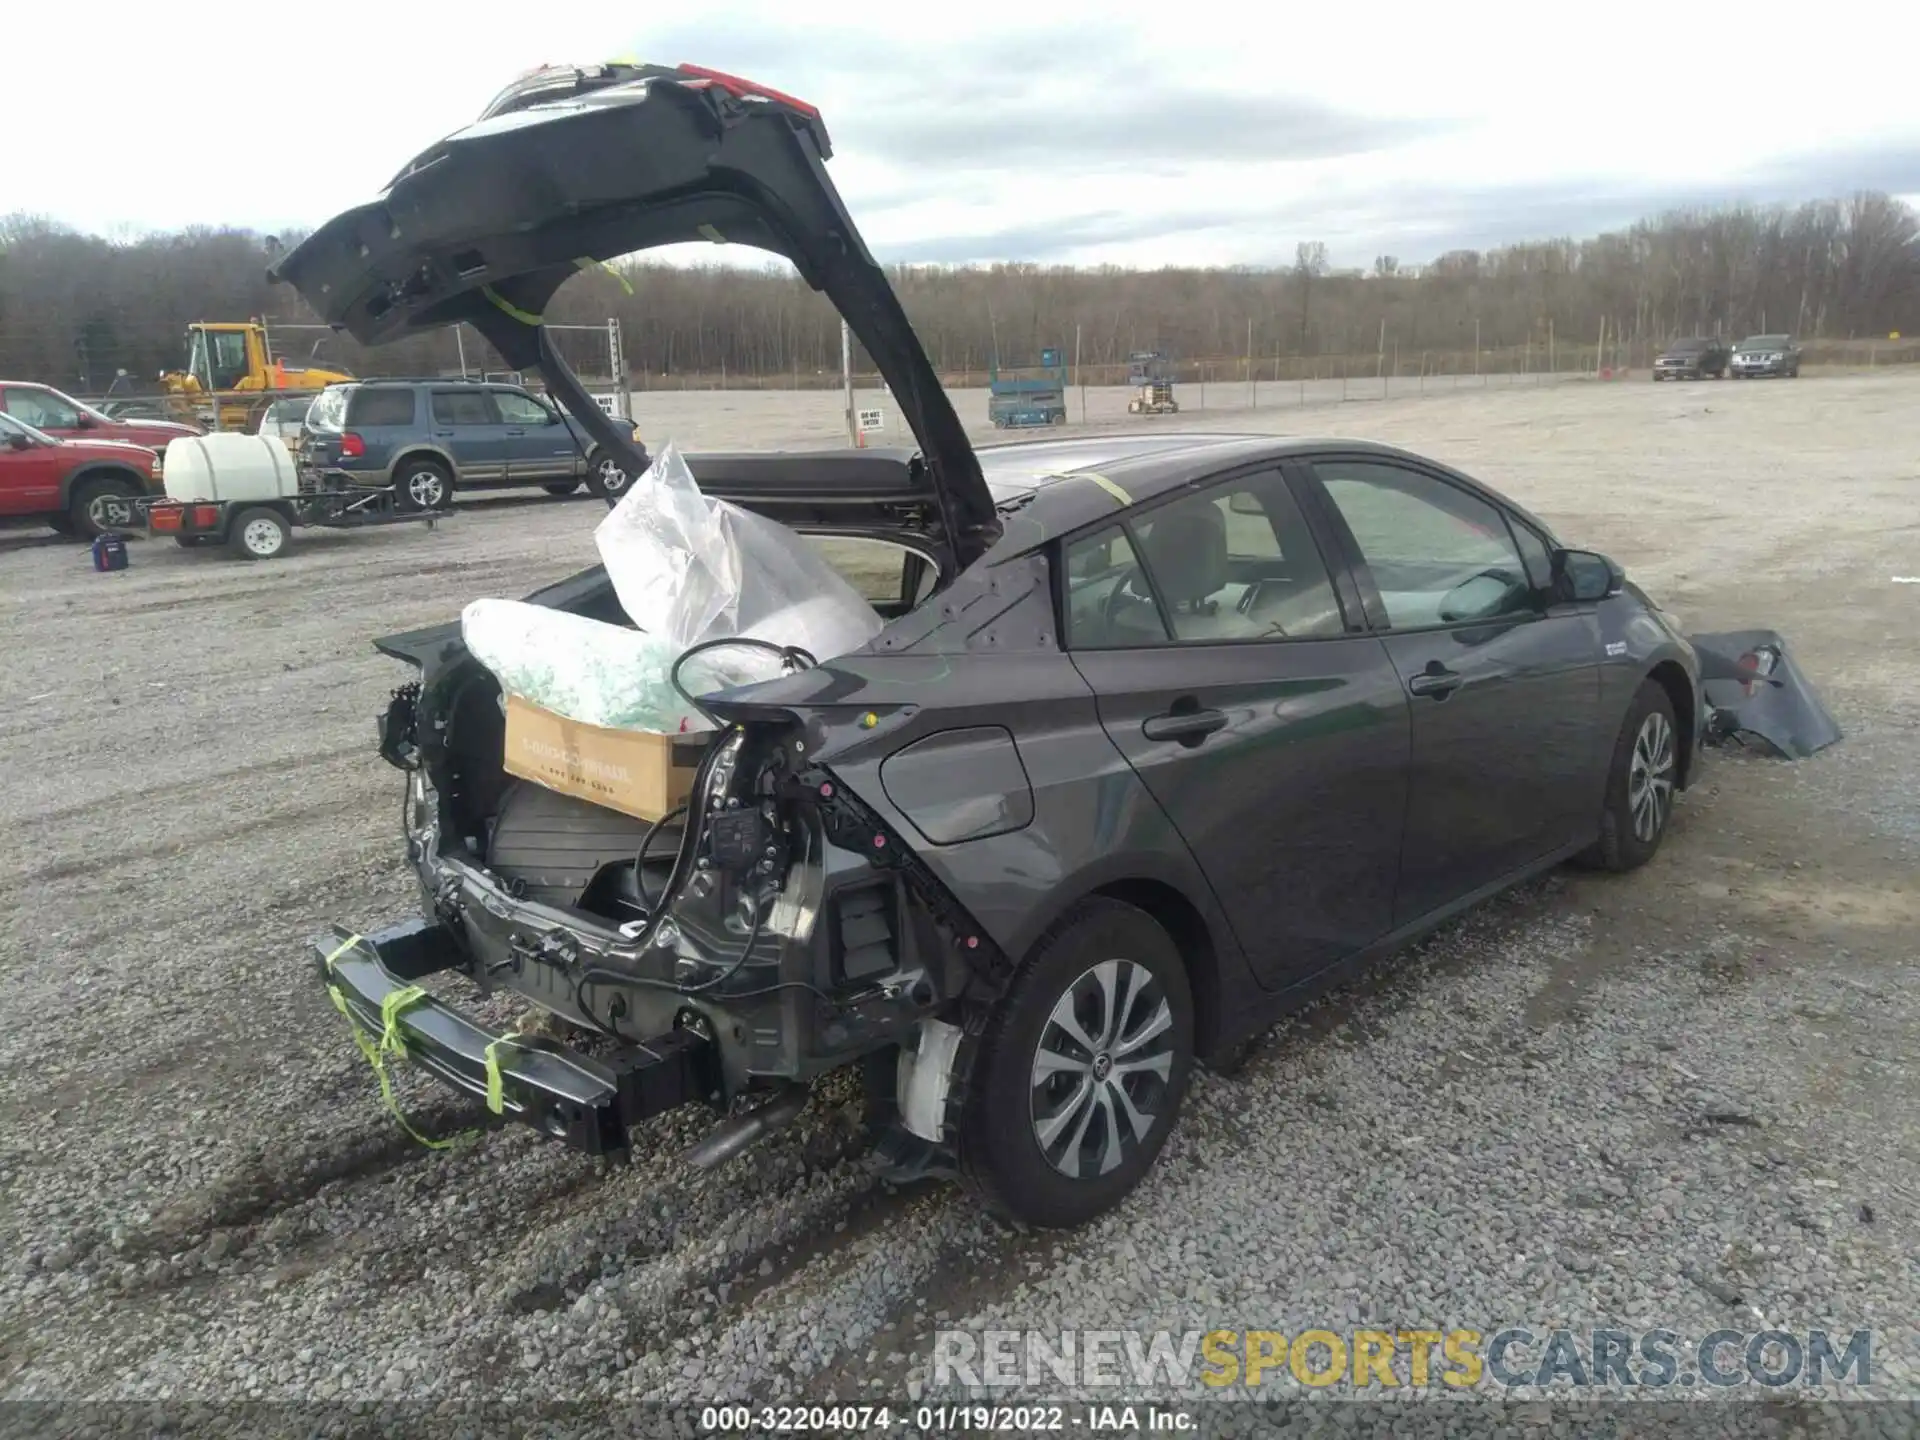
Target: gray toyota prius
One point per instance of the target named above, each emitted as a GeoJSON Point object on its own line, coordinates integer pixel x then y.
{"type": "Point", "coordinates": [1163, 734]}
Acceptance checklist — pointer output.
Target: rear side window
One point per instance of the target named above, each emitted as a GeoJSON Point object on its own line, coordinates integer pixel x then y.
{"type": "Point", "coordinates": [462, 407]}
{"type": "Point", "coordinates": [380, 405]}
{"type": "Point", "coordinates": [876, 569]}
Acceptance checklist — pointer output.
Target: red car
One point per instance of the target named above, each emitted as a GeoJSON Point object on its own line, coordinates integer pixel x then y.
{"type": "Point", "coordinates": [57, 481]}
{"type": "Point", "coordinates": [55, 413]}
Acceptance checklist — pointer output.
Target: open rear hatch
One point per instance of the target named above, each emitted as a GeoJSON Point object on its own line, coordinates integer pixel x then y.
{"type": "Point", "coordinates": [577, 165]}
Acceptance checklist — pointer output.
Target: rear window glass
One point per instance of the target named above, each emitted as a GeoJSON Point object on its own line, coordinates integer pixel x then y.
{"type": "Point", "coordinates": [329, 409]}
{"type": "Point", "coordinates": [380, 405]}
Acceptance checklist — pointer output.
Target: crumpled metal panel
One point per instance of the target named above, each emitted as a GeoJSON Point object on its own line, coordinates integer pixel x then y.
{"type": "Point", "coordinates": [1754, 688]}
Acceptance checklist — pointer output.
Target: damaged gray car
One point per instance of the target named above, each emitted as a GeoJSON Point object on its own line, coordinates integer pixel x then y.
{"type": "Point", "coordinates": [1163, 735]}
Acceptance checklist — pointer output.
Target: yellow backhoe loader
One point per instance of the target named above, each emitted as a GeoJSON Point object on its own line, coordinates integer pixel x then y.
{"type": "Point", "coordinates": [232, 375]}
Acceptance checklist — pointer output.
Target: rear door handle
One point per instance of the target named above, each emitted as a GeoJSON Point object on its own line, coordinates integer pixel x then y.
{"type": "Point", "coordinates": [1436, 680]}
{"type": "Point", "coordinates": [1189, 727]}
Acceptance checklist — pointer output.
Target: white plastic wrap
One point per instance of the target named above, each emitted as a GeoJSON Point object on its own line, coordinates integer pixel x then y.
{"type": "Point", "coordinates": [601, 674]}
{"type": "Point", "coordinates": [690, 568]}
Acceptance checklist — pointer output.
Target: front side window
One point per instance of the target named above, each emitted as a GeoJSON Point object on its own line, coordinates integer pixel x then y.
{"type": "Point", "coordinates": [40, 409]}
{"type": "Point", "coordinates": [1438, 555]}
{"type": "Point", "coordinates": [229, 358]}
{"type": "Point", "coordinates": [518, 409]}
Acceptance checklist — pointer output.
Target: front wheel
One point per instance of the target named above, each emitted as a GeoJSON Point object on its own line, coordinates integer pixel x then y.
{"type": "Point", "coordinates": [1641, 784]}
{"type": "Point", "coordinates": [561, 487]}
{"type": "Point", "coordinates": [1081, 1071]}
{"type": "Point", "coordinates": [607, 477]}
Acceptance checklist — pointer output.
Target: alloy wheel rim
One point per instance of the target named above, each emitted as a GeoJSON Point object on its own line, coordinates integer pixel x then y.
{"type": "Point", "coordinates": [612, 477]}
{"type": "Point", "coordinates": [1102, 1069]}
{"type": "Point", "coordinates": [1650, 777]}
{"type": "Point", "coordinates": [424, 488]}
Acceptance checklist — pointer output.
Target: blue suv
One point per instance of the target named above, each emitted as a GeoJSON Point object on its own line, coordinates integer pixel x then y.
{"type": "Point", "coordinates": [431, 438]}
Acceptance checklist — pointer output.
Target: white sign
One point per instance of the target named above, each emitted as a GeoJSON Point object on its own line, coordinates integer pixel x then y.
{"type": "Point", "coordinates": [607, 405]}
{"type": "Point", "coordinates": [871, 420]}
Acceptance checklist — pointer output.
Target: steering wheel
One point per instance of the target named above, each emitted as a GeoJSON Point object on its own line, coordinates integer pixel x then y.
{"type": "Point", "coordinates": [1510, 586]}
{"type": "Point", "coordinates": [1120, 596]}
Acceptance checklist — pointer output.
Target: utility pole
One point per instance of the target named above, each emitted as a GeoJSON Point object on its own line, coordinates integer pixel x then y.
{"type": "Point", "coordinates": [1380, 359]}
{"type": "Point", "coordinates": [1250, 390]}
{"type": "Point", "coordinates": [617, 360]}
{"type": "Point", "coordinates": [1079, 375]}
{"type": "Point", "coordinates": [460, 343]}
{"type": "Point", "coordinates": [846, 381]}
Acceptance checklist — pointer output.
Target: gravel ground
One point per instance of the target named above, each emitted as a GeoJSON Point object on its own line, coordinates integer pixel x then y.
{"type": "Point", "coordinates": [1682, 1098]}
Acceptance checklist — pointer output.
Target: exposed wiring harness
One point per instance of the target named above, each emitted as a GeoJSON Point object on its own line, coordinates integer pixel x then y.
{"type": "Point", "coordinates": [791, 655]}
{"type": "Point", "coordinates": [691, 837]}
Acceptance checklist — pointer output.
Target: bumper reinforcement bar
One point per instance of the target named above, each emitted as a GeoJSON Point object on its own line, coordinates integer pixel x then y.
{"type": "Point", "coordinates": [587, 1101]}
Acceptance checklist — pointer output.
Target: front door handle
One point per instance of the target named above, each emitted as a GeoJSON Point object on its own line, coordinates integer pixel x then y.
{"type": "Point", "coordinates": [516, 432]}
{"type": "Point", "coordinates": [1189, 727]}
{"type": "Point", "coordinates": [1436, 681]}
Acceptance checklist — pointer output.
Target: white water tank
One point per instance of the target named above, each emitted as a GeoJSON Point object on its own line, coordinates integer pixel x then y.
{"type": "Point", "coordinates": [230, 467]}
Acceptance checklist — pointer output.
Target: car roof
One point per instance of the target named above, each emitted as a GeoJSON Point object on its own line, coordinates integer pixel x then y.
{"type": "Point", "coordinates": [1050, 488]}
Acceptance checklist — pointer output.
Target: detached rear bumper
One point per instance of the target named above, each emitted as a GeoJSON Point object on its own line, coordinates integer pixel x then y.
{"type": "Point", "coordinates": [587, 1101]}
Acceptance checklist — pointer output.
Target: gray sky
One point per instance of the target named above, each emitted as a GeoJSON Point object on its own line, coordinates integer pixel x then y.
{"type": "Point", "coordinates": [1071, 132]}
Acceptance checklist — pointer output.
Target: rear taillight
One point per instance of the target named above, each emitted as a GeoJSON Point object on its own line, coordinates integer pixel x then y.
{"type": "Point", "coordinates": [352, 447]}
{"type": "Point", "coordinates": [739, 88]}
{"type": "Point", "coordinates": [206, 517]}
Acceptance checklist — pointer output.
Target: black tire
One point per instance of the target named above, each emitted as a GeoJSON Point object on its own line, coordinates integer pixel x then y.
{"type": "Point", "coordinates": [1000, 1147]}
{"type": "Point", "coordinates": [190, 542]}
{"type": "Point", "coordinates": [62, 525]}
{"type": "Point", "coordinates": [1624, 844]}
{"type": "Point", "coordinates": [99, 487]}
{"type": "Point", "coordinates": [259, 534]}
{"type": "Point", "coordinates": [606, 476]}
{"type": "Point", "coordinates": [422, 483]}
{"type": "Point", "coordinates": [561, 487]}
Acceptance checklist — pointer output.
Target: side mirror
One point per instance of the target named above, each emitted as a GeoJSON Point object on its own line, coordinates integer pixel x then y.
{"type": "Point", "coordinates": [1582, 576]}
{"type": "Point", "coordinates": [83, 421]}
{"type": "Point", "coordinates": [17, 441]}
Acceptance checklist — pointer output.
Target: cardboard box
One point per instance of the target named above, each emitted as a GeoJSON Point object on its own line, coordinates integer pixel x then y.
{"type": "Point", "coordinates": [637, 773]}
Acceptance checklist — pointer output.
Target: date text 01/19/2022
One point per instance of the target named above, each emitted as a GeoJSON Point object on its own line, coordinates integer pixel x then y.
{"type": "Point", "coordinates": [941, 1419]}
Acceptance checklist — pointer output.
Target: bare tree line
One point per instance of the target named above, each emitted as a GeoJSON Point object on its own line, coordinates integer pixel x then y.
{"type": "Point", "coordinates": [75, 309]}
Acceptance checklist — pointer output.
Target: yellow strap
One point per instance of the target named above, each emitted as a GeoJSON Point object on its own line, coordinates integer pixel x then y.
{"type": "Point", "coordinates": [525, 317]}
{"type": "Point", "coordinates": [710, 233]}
{"type": "Point", "coordinates": [1107, 485]}
{"type": "Point", "coordinates": [587, 262]}
{"type": "Point", "coordinates": [390, 1010]}
{"type": "Point", "coordinates": [496, 1098]}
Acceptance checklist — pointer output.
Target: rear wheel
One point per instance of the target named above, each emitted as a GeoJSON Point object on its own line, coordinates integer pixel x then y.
{"type": "Point", "coordinates": [259, 534]}
{"type": "Point", "coordinates": [1082, 1069]}
{"type": "Point", "coordinates": [112, 496]}
{"type": "Point", "coordinates": [561, 487]}
{"type": "Point", "coordinates": [422, 485]}
{"type": "Point", "coordinates": [1641, 784]}
{"type": "Point", "coordinates": [607, 477]}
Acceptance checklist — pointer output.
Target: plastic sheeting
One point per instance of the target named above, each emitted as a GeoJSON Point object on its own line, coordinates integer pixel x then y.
{"type": "Point", "coordinates": [601, 674]}
{"type": "Point", "coordinates": [689, 568]}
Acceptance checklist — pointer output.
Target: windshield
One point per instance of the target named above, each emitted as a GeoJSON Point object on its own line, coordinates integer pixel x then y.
{"type": "Point", "coordinates": [1763, 342]}
{"type": "Point", "coordinates": [1686, 347]}
{"type": "Point", "coordinates": [9, 425]}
